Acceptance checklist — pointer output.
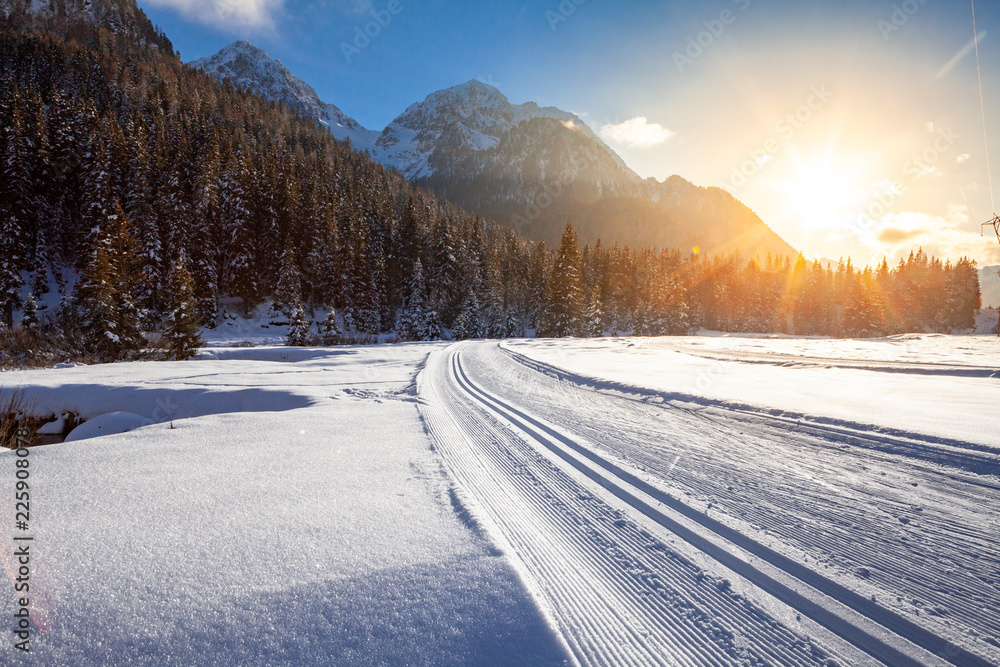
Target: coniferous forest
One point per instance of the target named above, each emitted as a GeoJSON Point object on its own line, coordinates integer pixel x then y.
{"type": "Point", "coordinates": [147, 192]}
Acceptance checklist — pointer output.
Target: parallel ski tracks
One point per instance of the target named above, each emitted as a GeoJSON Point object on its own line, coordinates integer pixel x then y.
{"type": "Point", "coordinates": [610, 545]}
{"type": "Point", "coordinates": [875, 535]}
{"type": "Point", "coordinates": [617, 595]}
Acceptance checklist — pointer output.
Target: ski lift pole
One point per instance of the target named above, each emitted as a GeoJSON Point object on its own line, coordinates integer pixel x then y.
{"type": "Point", "coordinates": [995, 224]}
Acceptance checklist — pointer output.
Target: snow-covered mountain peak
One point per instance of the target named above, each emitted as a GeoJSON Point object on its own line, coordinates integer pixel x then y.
{"type": "Point", "coordinates": [251, 67]}
{"type": "Point", "coordinates": [471, 117]}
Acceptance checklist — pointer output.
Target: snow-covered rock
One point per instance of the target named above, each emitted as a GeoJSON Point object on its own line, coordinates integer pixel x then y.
{"type": "Point", "coordinates": [108, 424]}
{"type": "Point", "coordinates": [55, 427]}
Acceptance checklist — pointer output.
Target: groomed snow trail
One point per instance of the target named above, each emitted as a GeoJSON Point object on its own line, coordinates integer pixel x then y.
{"type": "Point", "coordinates": [570, 480]}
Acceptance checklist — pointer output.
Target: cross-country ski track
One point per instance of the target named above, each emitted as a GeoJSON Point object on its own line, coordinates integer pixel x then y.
{"type": "Point", "coordinates": [678, 533]}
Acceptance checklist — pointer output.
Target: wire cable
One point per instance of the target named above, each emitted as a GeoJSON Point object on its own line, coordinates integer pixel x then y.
{"type": "Point", "coordinates": [982, 106]}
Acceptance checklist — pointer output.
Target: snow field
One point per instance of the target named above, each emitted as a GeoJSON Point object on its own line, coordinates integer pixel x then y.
{"type": "Point", "coordinates": [290, 512]}
{"type": "Point", "coordinates": [943, 387]}
{"type": "Point", "coordinates": [678, 501]}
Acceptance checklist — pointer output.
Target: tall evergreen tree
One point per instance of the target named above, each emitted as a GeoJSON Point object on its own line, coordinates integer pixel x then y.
{"type": "Point", "coordinates": [15, 224]}
{"type": "Point", "coordinates": [565, 299]}
{"type": "Point", "coordinates": [289, 292]}
{"type": "Point", "coordinates": [108, 314]}
{"type": "Point", "coordinates": [593, 316]}
{"type": "Point", "coordinates": [414, 321]}
{"type": "Point", "coordinates": [181, 320]}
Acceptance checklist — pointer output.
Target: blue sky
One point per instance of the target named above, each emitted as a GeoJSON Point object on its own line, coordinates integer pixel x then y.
{"type": "Point", "coordinates": [868, 80]}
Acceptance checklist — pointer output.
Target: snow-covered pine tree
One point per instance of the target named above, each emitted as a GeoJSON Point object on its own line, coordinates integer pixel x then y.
{"type": "Point", "coordinates": [43, 193]}
{"type": "Point", "coordinates": [493, 315]}
{"type": "Point", "coordinates": [139, 209]}
{"type": "Point", "coordinates": [205, 226]}
{"type": "Point", "coordinates": [412, 239]}
{"type": "Point", "coordinates": [382, 304]}
{"type": "Point", "coordinates": [593, 316]}
{"type": "Point", "coordinates": [537, 283]}
{"type": "Point", "coordinates": [863, 311]}
{"type": "Point", "coordinates": [329, 330]}
{"type": "Point", "coordinates": [322, 262]}
{"type": "Point", "coordinates": [237, 223]}
{"type": "Point", "coordinates": [412, 323]}
{"type": "Point", "coordinates": [665, 311]}
{"type": "Point", "coordinates": [445, 277]}
{"type": "Point", "coordinates": [106, 308]}
{"type": "Point", "coordinates": [365, 304]}
{"type": "Point", "coordinates": [181, 318]}
{"type": "Point", "coordinates": [460, 328]}
{"type": "Point", "coordinates": [29, 318]}
{"type": "Point", "coordinates": [173, 206]}
{"type": "Point", "coordinates": [433, 329]}
{"type": "Point", "coordinates": [965, 297]}
{"type": "Point", "coordinates": [98, 202]}
{"type": "Point", "coordinates": [474, 316]}
{"type": "Point", "coordinates": [289, 291]}
{"type": "Point", "coordinates": [565, 302]}
{"type": "Point", "coordinates": [14, 223]}
{"type": "Point", "coordinates": [299, 334]}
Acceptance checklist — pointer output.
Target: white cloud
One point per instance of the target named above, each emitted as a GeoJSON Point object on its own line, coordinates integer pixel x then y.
{"type": "Point", "coordinates": [952, 236]}
{"type": "Point", "coordinates": [227, 14]}
{"type": "Point", "coordinates": [636, 132]}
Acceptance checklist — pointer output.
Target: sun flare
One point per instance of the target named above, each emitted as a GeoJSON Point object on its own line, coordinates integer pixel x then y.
{"type": "Point", "coordinates": [821, 193]}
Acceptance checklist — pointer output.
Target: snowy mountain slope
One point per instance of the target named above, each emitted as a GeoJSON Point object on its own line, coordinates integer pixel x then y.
{"type": "Point", "coordinates": [527, 166]}
{"type": "Point", "coordinates": [250, 67]}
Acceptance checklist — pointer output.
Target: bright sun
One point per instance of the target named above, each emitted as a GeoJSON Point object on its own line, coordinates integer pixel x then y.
{"type": "Point", "coordinates": [818, 194]}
